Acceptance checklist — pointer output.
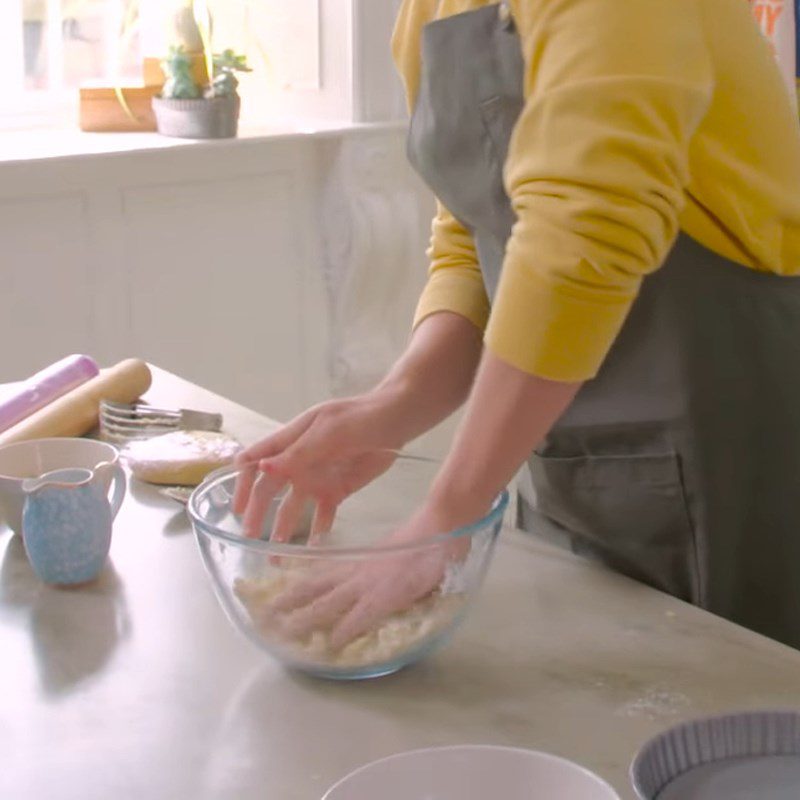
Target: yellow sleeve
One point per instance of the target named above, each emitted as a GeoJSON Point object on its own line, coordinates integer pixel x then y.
{"type": "Point", "coordinates": [454, 277]}
{"type": "Point", "coordinates": [596, 172]}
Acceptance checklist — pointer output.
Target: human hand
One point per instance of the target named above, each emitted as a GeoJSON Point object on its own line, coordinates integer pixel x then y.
{"type": "Point", "coordinates": [323, 456]}
{"type": "Point", "coordinates": [351, 598]}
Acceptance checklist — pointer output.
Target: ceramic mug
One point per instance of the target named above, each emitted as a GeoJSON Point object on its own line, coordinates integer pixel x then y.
{"type": "Point", "coordinates": [66, 523]}
{"type": "Point", "coordinates": [23, 460]}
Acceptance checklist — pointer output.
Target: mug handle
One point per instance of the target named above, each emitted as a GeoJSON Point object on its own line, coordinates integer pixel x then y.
{"type": "Point", "coordinates": [119, 485]}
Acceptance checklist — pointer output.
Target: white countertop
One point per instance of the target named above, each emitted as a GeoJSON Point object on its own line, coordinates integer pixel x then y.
{"type": "Point", "coordinates": [137, 688]}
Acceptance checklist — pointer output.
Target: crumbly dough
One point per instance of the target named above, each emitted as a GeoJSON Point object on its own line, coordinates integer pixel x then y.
{"type": "Point", "coordinates": [396, 635]}
{"type": "Point", "coordinates": [180, 458]}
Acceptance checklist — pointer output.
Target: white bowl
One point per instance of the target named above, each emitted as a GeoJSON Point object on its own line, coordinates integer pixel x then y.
{"type": "Point", "coordinates": [472, 772]}
{"type": "Point", "coordinates": [33, 458]}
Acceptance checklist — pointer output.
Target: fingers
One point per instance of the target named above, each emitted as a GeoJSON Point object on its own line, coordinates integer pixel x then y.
{"type": "Point", "coordinates": [392, 586]}
{"type": "Point", "coordinates": [322, 612]}
{"type": "Point", "coordinates": [303, 457]}
{"type": "Point", "coordinates": [370, 609]}
{"type": "Point", "coordinates": [261, 496]}
{"type": "Point", "coordinates": [277, 442]}
{"type": "Point", "coordinates": [270, 446]}
{"type": "Point", "coordinates": [306, 590]}
{"type": "Point", "coordinates": [316, 451]}
{"type": "Point", "coordinates": [244, 485]}
{"type": "Point", "coordinates": [322, 523]}
{"type": "Point", "coordinates": [288, 516]}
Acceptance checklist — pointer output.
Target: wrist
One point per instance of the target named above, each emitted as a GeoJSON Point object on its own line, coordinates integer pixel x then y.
{"type": "Point", "coordinates": [400, 398]}
{"type": "Point", "coordinates": [455, 508]}
{"type": "Point", "coordinates": [429, 522]}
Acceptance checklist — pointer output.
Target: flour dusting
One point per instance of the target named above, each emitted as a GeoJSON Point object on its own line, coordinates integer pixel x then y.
{"type": "Point", "coordinates": [656, 702]}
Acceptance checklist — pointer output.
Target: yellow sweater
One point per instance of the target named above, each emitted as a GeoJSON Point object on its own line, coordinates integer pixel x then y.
{"type": "Point", "coordinates": [640, 118]}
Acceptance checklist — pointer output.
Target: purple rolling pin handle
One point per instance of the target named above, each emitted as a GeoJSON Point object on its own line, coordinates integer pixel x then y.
{"type": "Point", "coordinates": [44, 387]}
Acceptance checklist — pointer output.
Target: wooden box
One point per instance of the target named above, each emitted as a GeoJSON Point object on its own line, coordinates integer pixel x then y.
{"type": "Point", "coordinates": [101, 110]}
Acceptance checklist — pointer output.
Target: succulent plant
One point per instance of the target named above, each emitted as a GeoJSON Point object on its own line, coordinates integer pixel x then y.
{"type": "Point", "coordinates": [180, 85]}
{"type": "Point", "coordinates": [226, 65]}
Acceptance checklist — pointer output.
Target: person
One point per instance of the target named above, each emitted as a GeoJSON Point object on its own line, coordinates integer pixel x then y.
{"type": "Point", "coordinates": [614, 293]}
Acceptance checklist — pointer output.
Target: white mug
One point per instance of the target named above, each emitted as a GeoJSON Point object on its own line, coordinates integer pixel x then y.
{"type": "Point", "coordinates": [24, 460]}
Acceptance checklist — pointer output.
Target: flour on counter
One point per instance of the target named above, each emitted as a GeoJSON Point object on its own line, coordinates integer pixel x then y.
{"type": "Point", "coordinates": [656, 702]}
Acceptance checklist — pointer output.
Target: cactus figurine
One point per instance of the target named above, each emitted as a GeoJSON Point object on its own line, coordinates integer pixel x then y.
{"type": "Point", "coordinates": [179, 84]}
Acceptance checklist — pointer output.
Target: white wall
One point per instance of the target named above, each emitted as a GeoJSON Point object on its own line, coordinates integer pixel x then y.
{"type": "Point", "coordinates": [275, 270]}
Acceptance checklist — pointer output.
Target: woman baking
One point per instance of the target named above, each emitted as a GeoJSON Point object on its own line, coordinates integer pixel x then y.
{"type": "Point", "coordinates": [612, 289]}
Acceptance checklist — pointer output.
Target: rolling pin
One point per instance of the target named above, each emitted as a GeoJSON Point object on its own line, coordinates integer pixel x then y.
{"type": "Point", "coordinates": [44, 387]}
{"type": "Point", "coordinates": [76, 412]}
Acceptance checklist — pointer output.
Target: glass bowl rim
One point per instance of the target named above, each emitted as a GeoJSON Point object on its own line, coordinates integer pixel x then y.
{"type": "Point", "coordinates": [494, 515]}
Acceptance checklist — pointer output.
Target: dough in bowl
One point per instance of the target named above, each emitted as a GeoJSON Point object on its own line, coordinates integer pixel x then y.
{"type": "Point", "coordinates": [396, 635]}
{"type": "Point", "coordinates": [180, 458]}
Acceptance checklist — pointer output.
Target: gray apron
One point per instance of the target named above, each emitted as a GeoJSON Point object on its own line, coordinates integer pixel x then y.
{"type": "Point", "coordinates": [679, 464]}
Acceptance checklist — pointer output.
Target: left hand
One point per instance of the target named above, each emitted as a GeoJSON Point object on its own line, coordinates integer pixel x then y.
{"type": "Point", "coordinates": [350, 599]}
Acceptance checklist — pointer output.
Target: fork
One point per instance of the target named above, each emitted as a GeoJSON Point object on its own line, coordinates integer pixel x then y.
{"type": "Point", "coordinates": [120, 422]}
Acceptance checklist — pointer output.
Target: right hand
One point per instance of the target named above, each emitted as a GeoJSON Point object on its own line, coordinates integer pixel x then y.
{"type": "Point", "coordinates": [323, 456]}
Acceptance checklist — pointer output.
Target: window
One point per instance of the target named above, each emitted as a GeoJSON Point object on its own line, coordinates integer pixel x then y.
{"type": "Point", "coordinates": [313, 60]}
{"type": "Point", "coordinates": [48, 48]}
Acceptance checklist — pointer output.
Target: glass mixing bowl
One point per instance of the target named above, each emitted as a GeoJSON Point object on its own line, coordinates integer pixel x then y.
{"type": "Point", "coordinates": [249, 574]}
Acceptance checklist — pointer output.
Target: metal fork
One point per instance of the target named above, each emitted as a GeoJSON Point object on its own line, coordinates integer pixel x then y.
{"type": "Point", "coordinates": [122, 423]}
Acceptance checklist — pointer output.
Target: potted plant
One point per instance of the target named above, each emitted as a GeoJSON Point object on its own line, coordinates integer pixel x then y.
{"type": "Point", "coordinates": [191, 111]}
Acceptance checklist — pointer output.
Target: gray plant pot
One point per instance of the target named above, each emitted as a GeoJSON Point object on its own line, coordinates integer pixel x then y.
{"type": "Point", "coordinates": [204, 118]}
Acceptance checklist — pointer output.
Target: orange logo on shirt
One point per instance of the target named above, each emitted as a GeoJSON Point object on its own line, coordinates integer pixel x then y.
{"type": "Point", "coordinates": [767, 13]}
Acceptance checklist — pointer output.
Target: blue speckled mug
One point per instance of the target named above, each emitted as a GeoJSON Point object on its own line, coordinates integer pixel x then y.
{"type": "Point", "coordinates": [66, 524]}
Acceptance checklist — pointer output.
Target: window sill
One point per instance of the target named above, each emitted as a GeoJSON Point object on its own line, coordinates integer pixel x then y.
{"type": "Point", "coordinates": [39, 144]}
